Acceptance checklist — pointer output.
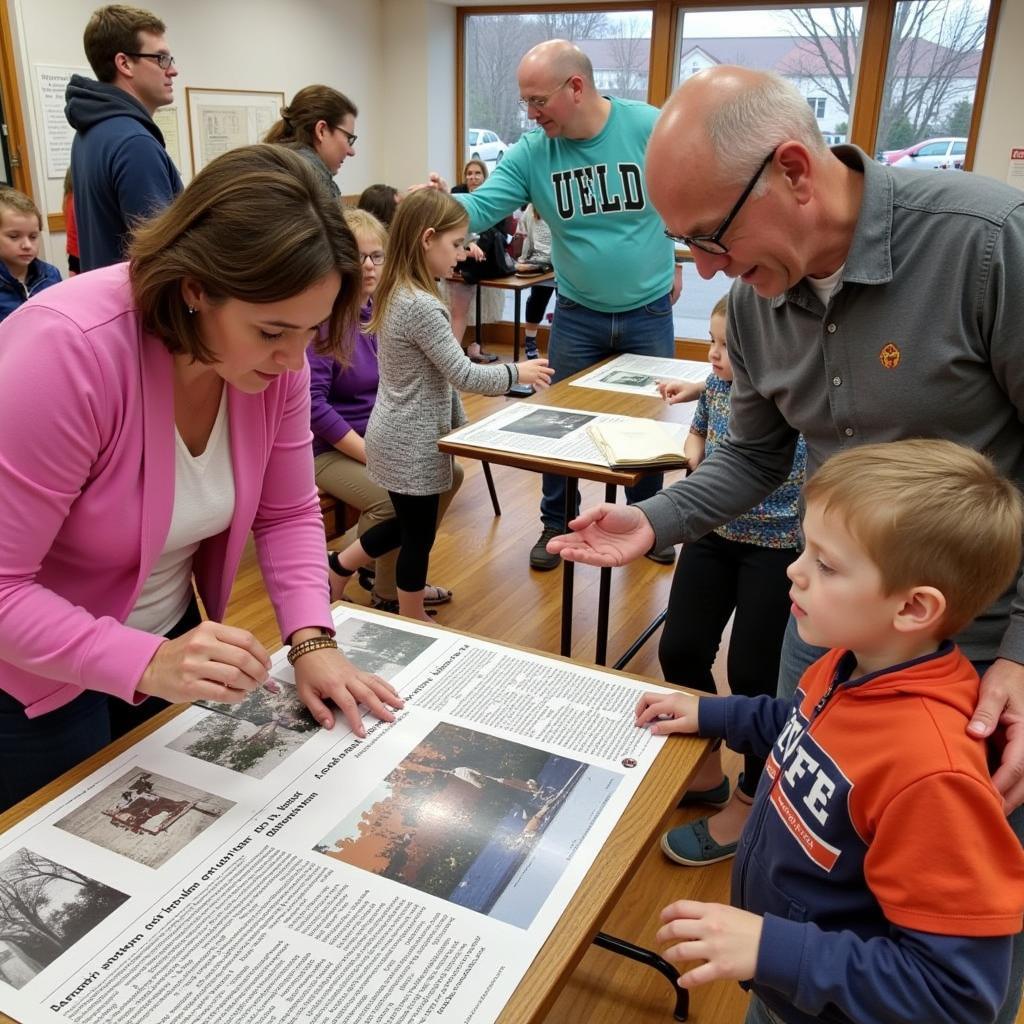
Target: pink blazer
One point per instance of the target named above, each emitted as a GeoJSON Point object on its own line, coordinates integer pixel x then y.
{"type": "Point", "coordinates": [87, 489]}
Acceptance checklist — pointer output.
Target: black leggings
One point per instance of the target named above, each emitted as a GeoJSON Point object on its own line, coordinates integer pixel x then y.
{"type": "Point", "coordinates": [413, 530]}
{"type": "Point", "coordinates": [537, 303]}
{"type": "Point", "coordinates": [713, 577]}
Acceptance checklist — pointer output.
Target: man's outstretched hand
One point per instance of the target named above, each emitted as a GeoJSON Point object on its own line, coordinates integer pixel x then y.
{"type": "Point", "coordinates": [605, 535]}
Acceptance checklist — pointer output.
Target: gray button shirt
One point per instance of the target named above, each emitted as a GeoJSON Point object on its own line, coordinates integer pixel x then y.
{"type": "Point", "coordinates": [920, 339]}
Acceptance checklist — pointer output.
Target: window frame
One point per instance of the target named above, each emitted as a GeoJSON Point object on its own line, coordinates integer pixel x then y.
{"type": "Point", "coordinates": [879, 16]}
{"type": "Point", "coordinates": [877, 32]}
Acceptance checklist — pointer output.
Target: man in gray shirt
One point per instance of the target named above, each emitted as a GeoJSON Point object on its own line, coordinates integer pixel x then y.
{"type": "Point", "coordinates": [870, 304]}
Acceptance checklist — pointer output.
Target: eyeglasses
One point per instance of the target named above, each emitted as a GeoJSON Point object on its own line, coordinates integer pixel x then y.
{"type": "Point", "coordinates": [165, 60]}
{"type": "Point", "coordinates": [376, 258]}
{"type": "Point", "coordinates": [540, 102]}
{"type": "Point", "coordinates": [712, 243]}
{"type": "Point", "coordinates": [348, 135]}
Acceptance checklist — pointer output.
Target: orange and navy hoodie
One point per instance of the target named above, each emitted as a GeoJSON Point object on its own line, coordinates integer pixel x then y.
{"type": "Point", "coordinates": [877, 850]}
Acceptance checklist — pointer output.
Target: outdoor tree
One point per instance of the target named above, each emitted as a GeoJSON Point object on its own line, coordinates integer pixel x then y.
{"type": "Point", "coordinates": [933, 56]}
{"type": "Point", "coordinates": [630, 47]}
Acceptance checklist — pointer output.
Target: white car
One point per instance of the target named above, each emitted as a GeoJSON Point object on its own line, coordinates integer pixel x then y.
{"type": "Point", "coordinates": [482, 144]}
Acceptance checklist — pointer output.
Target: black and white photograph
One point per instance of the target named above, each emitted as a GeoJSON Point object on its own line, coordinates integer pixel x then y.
{"type": "Point", "coordinates": [554, 423]}
{"type": "Point", "coordinates": [45, 908]}
{"type": "Point", "coordinates": [380, 648]}
{"type": "Point", "coordinates": [145, 816]}
{"type": "Point", "coordinates": [630, 380]}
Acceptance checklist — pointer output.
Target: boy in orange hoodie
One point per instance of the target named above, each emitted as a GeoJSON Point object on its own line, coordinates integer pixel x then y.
{"type": "Point", "coordinates": [877, 878]}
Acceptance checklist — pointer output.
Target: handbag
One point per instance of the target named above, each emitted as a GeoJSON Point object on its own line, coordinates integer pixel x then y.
{"type": "Point", "coordinates": [496, 261]}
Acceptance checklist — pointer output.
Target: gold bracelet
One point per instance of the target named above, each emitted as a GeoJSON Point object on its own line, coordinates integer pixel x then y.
{"type": "Point", "coordinates": [314, 643]}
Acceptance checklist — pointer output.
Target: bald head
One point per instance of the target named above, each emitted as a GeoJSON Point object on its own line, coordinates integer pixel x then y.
{"type": "Point", "coordinates": [723, 122]}
{"type": "Point", "coordinates": [556, 59]}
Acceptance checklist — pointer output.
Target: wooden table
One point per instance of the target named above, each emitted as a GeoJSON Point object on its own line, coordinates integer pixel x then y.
{"type": "Point", "coordinates": [567, 396]}
{"type": "Point", "coordinates": [517, 285]}
{"type": "Point", "coordinates": [645, 817]}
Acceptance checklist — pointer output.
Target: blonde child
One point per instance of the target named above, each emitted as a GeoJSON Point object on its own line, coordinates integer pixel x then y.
{"type": "Point", "coordinates": [421, 364]}
{"type": "Point", "coordinates": [741, 568]}
{"type": "Point", "coordinates": [877, 879]}
{"type": "Point", "coordinates": [22, 273]}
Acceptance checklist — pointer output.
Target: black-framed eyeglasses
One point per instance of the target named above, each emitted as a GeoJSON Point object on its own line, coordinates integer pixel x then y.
{"type": "Point", "coordinates": [712, 243]}
{"type": "Point", "coordinates": [376, 258]}
{"type": "Point", "coordinates": [540, 102]}
{"type": "Point", "coordinates": [348, 135]}
{"type": "Point", "coordinates": [165, 60]}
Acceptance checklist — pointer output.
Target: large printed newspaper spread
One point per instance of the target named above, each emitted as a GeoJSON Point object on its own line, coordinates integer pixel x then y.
{"type": "Point", "coordinates": [551, 432]}
{"type": "Point", "coordinates": [639, 375]}
{"type": "Point", "coordinates": [241, 864]}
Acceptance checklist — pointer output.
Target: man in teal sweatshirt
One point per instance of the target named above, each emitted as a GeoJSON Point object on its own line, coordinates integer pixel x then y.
{"type": "Point", "coordinates": [582, 167]}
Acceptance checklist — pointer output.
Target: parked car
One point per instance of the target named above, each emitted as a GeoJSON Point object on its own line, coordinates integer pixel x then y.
{"type": "Point", "coordinates": [935, 154]}
{"type": "Point", "coordinates": [482, 144]}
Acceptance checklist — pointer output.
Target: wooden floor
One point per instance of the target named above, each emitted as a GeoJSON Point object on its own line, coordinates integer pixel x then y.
{"type": "Point", "coordinates": [483, 559]}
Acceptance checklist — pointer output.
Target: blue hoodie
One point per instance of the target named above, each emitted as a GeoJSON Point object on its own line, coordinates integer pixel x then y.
{"type": "Point", "coordinates": [119, 166]}
{"type": "Point", "coordinates": [13, 293]}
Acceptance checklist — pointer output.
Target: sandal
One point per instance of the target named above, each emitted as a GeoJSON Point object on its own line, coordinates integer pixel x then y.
{"type": "Point", "coordinates": [436, 595]}
{"type": "Point", "coordinates": [480, 356]}
{"type": "Point", "coordinates": [383, 604]}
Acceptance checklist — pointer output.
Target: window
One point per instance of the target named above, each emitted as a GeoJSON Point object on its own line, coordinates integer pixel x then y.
{"type": "Point", "coordinates": [617, 42]}
{"type": "Point", "coordinates": [931, 75]}
{"type": "Point", "coordinates": [935, 149]}
{"type": "Point", "coordinates": [817, 48]}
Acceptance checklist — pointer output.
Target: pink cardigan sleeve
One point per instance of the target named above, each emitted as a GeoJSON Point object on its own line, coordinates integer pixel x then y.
{"type": "Point", "coordinates": [57, 414]}
{"type": "Point", "coordinates": [288, 528]}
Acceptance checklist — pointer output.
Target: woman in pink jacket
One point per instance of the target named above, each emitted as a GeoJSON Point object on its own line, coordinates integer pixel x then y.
{"type": "Point", "coordinates": [153, 414]}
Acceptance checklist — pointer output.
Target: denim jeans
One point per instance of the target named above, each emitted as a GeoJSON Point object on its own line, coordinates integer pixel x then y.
{"type": "Point", "coordinates": [796, 657]}
{"type": "Point", "coordinates": [581, 337]}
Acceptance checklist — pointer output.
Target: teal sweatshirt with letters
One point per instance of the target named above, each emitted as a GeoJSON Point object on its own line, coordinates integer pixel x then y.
{"type": "Point", "coordinates": [608, 244]}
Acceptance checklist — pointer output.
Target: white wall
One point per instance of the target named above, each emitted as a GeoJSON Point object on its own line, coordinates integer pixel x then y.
{"type": "Point", "coordinates": [1002, 126]}
{"type": "Point", "coordinates": [418, 83]}
{"type": "Point", "coordinates": [228, 44]}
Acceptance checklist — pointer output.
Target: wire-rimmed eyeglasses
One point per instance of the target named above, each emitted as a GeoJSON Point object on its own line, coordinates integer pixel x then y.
{"type": "Point", "coordinates": [712, 243]}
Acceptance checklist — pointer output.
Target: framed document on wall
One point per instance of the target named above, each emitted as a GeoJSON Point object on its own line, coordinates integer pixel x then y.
{"type": "Point", "coordinates": [221, 119]}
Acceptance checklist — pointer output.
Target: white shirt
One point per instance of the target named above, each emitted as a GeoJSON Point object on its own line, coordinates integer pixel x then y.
{"type": "Point", "coordinates": [825, 286]}
{"type": "Point", "coordinates": [204, 502]}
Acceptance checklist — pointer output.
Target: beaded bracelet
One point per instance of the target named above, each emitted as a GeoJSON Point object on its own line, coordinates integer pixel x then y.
{"type": "Point", "coordinates": [314, 643]}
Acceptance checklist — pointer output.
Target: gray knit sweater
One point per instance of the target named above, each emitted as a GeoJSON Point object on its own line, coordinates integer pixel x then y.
{"type": "Point", "coordinates": [420, 361]}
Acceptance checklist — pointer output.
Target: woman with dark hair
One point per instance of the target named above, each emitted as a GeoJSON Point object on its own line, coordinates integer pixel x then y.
{"type": "Point", "coordinates": [460, 296]}
{"type": "Point", "coordinates": [319, 124]}
{"type": "Point", "coordinates": [381, 201]}
{"type": "Point", "coordinates": [177, 421]}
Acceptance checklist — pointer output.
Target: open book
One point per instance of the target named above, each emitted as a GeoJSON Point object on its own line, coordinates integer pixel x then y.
{"type": "Point", "coordinates": [636, 442]}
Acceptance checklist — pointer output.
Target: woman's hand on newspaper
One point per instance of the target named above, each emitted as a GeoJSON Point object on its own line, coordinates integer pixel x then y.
{"type": "Point", "coordinates": [605, 535]}
{"type": "Point", "coordinates": [669, 712]}
{"type": "Point", "coordinates": [210, 662]}
{"type": "Point", "coordinates": [325, 674]}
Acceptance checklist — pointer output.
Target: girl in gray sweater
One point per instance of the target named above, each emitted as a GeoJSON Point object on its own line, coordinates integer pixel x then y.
{"type": "Point", "coordinates": [421, 365]}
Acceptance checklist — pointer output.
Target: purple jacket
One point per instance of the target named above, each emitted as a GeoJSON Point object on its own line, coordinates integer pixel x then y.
{"type": "Point", "coordinates": [341, 398]}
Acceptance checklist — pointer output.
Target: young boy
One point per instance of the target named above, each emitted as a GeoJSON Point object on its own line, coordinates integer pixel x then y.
{"type": "Point", "coordinates": [22, 274]}
{"type": "Point", "coordinates": [877, 875]}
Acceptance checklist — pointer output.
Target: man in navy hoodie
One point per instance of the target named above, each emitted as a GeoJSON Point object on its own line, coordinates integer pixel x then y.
{"type": "Point", "coordinates": [119, 166]}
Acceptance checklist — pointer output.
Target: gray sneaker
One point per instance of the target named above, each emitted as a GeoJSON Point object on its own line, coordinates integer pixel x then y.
{"type": "Point", "coordinates": [532, 352]}
{"type": "Point", "coordinates": [540, 558]}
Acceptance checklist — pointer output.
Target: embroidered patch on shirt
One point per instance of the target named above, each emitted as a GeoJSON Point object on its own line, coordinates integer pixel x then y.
{"type": "Point", "coordinates": [890, 356]}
